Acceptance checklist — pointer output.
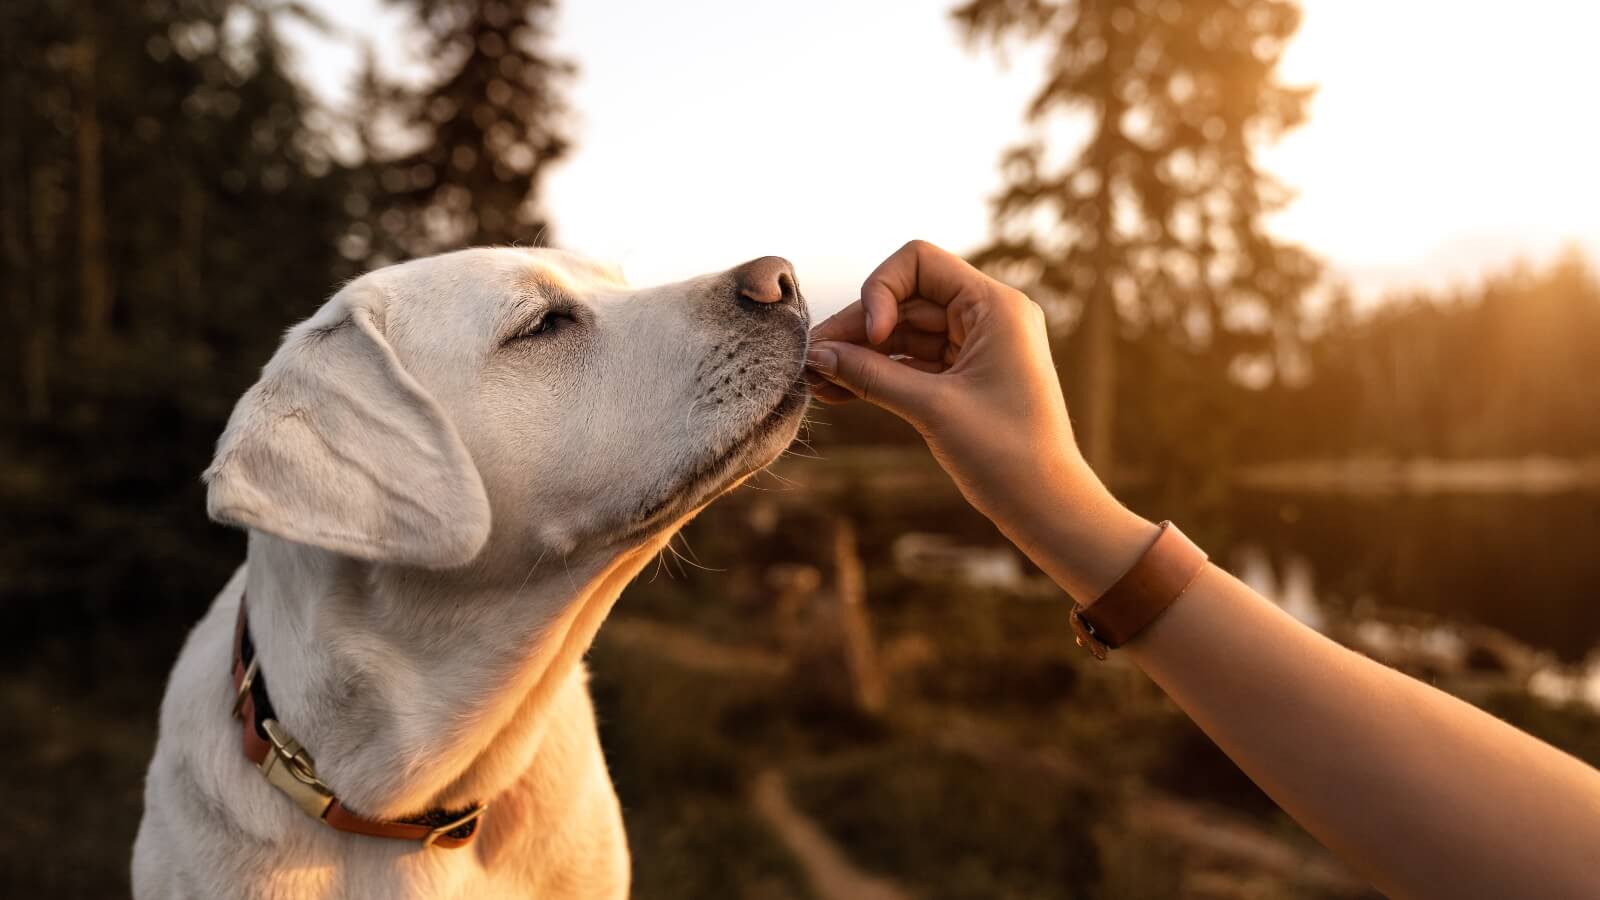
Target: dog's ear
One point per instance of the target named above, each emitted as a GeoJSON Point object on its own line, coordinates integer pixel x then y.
{"type": "Point", "coordinates": [339, 447]}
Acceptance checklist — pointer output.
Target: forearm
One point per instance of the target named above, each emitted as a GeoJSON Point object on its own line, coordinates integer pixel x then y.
{"type": "Point", "coordinates": [1425, 795]}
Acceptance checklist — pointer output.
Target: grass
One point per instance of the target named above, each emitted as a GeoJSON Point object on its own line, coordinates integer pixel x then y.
{"type": "Point", "coordinates": [950, 827]}
{"type": "Point", "coordinates": [78, 727]}
{"type": "Point", "coordinates": [681, 774]}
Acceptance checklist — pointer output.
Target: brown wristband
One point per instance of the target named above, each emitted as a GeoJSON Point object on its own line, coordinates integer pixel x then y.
{"type": "Point", "coordinates": [1141, 595]}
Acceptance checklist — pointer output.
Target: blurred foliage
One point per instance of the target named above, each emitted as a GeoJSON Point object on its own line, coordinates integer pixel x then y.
{"type": "Point", "coordinates": [168, 209]}
{"type": "Point", "coordinates": [1504, 368]}
{"type": "Point", "coordinates": [456, 161]}
{"type": "Point", "coordinates": [952, 828]}
{"type": "Point", "coordinates": [1155, 225]}
{"type": "Point", "coordinates": [680, 774]}
{"type": "Point", "coordinates": [171, 199]}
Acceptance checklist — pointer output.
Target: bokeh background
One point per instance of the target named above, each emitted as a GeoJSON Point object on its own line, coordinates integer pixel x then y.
{"type": "Point", "coordinates": [1322, 286]}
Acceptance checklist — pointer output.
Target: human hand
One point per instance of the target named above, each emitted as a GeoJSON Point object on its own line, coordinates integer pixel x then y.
{"type": "Point", "coordinates": [966, 360]}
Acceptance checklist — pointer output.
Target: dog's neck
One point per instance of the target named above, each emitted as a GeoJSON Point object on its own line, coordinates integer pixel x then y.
{"type": "Point", "coordinates": [417, 690]}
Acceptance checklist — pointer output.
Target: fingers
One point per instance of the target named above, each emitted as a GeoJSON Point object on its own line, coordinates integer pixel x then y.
{"type": "Point", "coordinates": [871, 376]}
{"type": "Point", "coordinates": [849, 324]}
{"type": "Point", "coordinates": [932, 366]}
{"type": "Point", "coordinates": [919, 269]}
{"type": "Point", "coordinates": [829, 393]}
{"type": "Point", "coordinates": [906, 340]}
{"type": "Point", "coordinates": [826, 391]}
{"type": "Point", "coordinates": [924, 345]}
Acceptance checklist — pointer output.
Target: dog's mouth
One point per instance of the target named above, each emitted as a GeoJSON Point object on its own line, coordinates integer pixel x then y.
{"type": "Point", "coordinates": [745, 455]}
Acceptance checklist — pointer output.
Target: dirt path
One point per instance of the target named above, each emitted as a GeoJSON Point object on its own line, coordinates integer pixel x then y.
{"type": "Point", "coordinates": [831, 873]}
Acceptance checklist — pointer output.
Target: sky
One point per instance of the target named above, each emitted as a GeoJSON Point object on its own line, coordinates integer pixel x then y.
{"type": "Point", "coordinates": [1446, 139]}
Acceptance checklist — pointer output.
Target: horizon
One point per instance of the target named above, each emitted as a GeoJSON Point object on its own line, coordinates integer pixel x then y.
{"type": "Point", "coordinates": [1419, 210]}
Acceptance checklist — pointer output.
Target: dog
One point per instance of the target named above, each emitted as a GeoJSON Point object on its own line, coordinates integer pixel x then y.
{"type": "Point", "coordinates": [448, 474]}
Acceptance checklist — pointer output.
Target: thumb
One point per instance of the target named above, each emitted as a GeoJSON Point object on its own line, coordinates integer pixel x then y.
{"type": "Point", "coordinates": [872, 376]}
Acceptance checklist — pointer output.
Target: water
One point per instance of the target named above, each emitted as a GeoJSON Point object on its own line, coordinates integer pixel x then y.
{"type": "Point", "coordinates": [1527, 565]}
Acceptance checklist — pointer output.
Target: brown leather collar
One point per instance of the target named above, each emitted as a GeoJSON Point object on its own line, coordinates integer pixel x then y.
{"type": "Point", "coordinates": [289, 767]}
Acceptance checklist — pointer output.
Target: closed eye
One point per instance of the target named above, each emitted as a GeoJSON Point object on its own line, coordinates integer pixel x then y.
{"type": "Point", "coordinates": [546, 323]}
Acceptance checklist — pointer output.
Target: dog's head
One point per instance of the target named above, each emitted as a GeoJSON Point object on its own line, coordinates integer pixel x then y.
{"type": "Point", "coordinates": [524, 398]}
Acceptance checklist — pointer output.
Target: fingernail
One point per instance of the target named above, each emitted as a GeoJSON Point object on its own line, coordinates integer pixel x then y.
{"type": "Point", "coordinates": [823, 360]}
{"type": "Point", "coordinates": [867, 314]}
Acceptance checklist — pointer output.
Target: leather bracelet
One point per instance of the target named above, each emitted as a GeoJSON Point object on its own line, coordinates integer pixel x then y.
{"type": "Point", "coordinates": [1159, 577]}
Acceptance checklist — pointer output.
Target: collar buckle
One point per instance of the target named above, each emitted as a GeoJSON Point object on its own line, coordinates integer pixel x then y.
{"type": "Point", "coordinates": [290, 768]}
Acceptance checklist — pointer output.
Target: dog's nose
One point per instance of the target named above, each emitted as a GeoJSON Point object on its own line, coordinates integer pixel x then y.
{"type": "Point", "coordinates": [769, 279]}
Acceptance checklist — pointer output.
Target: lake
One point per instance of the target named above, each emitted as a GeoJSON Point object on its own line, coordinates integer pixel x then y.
{"type": "Point", "coordinates": [1526, 564]}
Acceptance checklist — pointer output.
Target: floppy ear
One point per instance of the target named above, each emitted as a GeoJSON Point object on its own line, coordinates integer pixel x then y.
{"type": "Point", "coordinates": [337, 446]}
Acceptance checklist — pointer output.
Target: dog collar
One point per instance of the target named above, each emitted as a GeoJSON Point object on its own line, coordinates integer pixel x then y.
{"type": "Point", "coordinates": [288, 767]}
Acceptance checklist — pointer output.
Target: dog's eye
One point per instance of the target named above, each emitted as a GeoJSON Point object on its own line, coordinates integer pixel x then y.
{"type": "Point", "coordinates": [543, 325]}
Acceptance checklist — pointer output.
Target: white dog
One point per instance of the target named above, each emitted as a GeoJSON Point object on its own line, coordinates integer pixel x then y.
{"type": "Point", "coordinates": [448, 475]}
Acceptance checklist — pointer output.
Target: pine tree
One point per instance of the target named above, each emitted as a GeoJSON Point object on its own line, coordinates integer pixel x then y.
{"type": "Point", "coordinates": [484, 131]}
{"type": "Point", "coordinates": [1156, 222]}
{"type": "Point", "coordinates": [94, 275]}
{"type": "Point", "coordinates": [179, 242]}
{"type": "Point", "coordinates": [34, 204]}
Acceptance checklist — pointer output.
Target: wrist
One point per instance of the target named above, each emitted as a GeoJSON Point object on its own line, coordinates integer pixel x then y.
{"type": "Point", "coordinates": [1103, 545]}
{"type": "Point", "coordinates": [1082, 536]}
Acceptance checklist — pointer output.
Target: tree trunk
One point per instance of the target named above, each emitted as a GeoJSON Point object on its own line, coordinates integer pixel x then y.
{"type": "Point", "coordinates": [1099, 378]}
{"type": "Point", "coordinates": [191, 241]}
{"type": "Point", "coordinates": [1100, 317]}
{"type": "Point", "coordinates": [17, 273]}
{"type": "Point", "coordinates": [861, 652]}
{"type": "Point", "coordinates": [94, 279]}
{"type": "Point", "coordinates": [37, 349]}
{"type": "Point", "coordinates": [47, 202]}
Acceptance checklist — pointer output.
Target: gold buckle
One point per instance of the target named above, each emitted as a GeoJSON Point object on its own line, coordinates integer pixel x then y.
{"type": "Point", "coordinates": [244, 687]}
{"type": "Point", "coordinates": [1083, 630]}
{"type": "Point", "coordinates": [448, 827]}
{"type": "Point", "coordinates": [290, 768]}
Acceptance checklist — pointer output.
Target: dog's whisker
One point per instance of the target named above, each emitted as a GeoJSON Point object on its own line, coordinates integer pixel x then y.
{"type": "Point", "coordinates": [526, 578]}
{"type": "Point", "coordinates": [688, 549]}
{"type": "Point", "coordinates": [661, 558]}
{"type": "Point", "coordinates": [684, 560]}
{"type": "Point", "coordinates": [568, 568]}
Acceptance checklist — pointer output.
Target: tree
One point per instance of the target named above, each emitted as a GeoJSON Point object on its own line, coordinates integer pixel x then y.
{"type": "Point", "coordinates": [33, 200]}
{"type": "Point", "coordinates": [1494, 370]}
{"type": "Point", "coordinates": [1155, 224]}
{"type": "Point", "coordinates": [94, 276]}
{"type": "Point", "coordinates": [166, 196]}
{"type": "Point", "coordinates": [483, 132]}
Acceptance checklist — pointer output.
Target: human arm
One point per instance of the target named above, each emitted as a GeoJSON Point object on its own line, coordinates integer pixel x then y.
{"type": "Point", "coordinates": [1425, 795]}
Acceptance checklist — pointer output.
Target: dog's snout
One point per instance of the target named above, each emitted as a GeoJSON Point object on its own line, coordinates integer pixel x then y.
{"type": "Point", "coordinates": [769, 279]}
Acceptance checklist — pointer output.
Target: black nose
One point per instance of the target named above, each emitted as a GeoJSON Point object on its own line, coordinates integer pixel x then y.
{"type": "Point", "coordinates": [769, 279]}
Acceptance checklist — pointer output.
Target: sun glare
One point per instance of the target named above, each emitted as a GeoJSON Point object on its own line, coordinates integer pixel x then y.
{"type": "Point", "coordinates": [1441, 131]}
{"type": "Point", "coordinates": [1445, 138]}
